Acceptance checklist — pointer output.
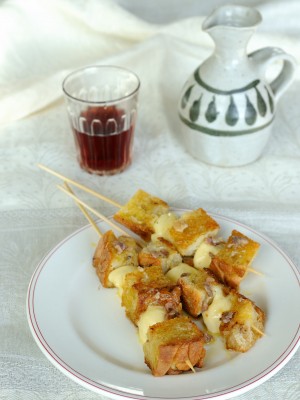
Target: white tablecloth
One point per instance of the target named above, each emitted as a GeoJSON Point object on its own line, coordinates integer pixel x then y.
{"type": "Point", "coordinates": [40, 42]}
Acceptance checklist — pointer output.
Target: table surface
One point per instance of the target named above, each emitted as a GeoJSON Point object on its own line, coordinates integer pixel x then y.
{"type": "Point", "coordinates": [35, 216]}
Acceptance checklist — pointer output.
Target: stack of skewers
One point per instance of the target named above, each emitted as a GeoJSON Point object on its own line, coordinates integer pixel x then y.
{"type": "Point", "coordinates": [172, 272]}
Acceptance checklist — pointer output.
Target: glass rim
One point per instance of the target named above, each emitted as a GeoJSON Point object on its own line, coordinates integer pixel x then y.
{"type": "Point", "coordinates": [98, 67]}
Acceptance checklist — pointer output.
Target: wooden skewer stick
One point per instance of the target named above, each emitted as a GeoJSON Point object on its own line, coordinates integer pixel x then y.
{"type": "Point", "coordinates": [254, 271]}
{"type": "Point", "coordinates": [80, 186]}
{"type": "Point", "coordinates": [257, 330]}
{"type": "Point", "coordinates": [84, 212]}
{"type": "Point", "coordinates": [99, 215]}
{"type": "Point", "coordinates": [188, 362]}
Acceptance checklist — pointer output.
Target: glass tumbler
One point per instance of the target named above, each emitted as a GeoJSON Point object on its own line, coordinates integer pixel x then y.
{"type": "Point", "coordinates": [102, 109]}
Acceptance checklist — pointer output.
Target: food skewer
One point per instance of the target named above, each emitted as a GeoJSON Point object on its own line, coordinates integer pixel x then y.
{"type": "Point", "coordinates": [195, 339]}
{"type": "Point", "coordinates": [106, 199]}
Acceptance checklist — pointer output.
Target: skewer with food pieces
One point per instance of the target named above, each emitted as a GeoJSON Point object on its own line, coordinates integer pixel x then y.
{"type": "Point", "coordinates": [173, 343]}
{"type": "Point", "coordinates": [150, 299]}
{"type": "Point", "coordinates": [224, 311]}
{"type": "Point", "coordinates": [192, 235]}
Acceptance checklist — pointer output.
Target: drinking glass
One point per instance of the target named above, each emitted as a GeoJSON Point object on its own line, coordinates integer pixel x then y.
{"type": "Point", "coordinates": [102, 109]}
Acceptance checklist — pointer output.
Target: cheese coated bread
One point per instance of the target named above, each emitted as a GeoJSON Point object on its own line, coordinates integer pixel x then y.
{"type": "Point", "coordinates": [112, 253]}
{"type": "Point", "coordinates": [231, 262]}
{"type": "Point", "coordinates": [188, 232]}
{"type": "Point", "coordinates": [140, 213]}
{"type": "Point", "coordinates": [161, 253]}
{"type": "Point", "coordinates": [150, 287]}
{"type": "Point", "coordinates": [197, 293]}
{"type": "Point", "coordinates": [174, 346]}
{"type": "Point", "coordinates": [242, 325]}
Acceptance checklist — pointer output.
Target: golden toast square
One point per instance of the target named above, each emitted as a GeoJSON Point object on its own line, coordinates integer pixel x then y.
{"type": "Point", "coordinates": [150, 287]}
{"type": "Point", "coordinates": [191, 229]}
{"type": "Point", "coordinates": [231, 262]}
{"type": "Point", "coordinates": [174, 346]}
{"type": "Point", "coordinates": [243, 324]}
{"type": "Point", "coordinates": [159, 252]}
{"type": "Point", "coordinates": [111, 253]}
{"type": "Point", "coordinates": [140, 213]}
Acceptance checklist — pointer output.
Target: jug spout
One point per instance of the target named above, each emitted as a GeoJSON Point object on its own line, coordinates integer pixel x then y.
{"type": "Point", "coordinates": [231, 27]}
{"type": "Point", "coordinates": [232, 16]}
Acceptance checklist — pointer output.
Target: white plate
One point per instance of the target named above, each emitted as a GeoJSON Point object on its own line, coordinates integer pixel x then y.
{"type": "Point", "coordinates": [83, 331]}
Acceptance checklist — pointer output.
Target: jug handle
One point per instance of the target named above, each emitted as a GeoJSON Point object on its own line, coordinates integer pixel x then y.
{"type": "Point", "coordinates": [267, 55]}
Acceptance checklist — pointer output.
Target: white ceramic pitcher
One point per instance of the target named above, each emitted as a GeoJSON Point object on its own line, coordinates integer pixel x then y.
{"type": "Point", "coordinates": [227, 106]}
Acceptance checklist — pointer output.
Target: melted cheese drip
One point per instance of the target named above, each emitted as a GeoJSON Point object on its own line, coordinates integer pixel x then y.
{"type": "Point", "coordinates": [162, 226]}
{"type": "Point", "coordinates": [175, 273]}
{"type": "Point", "coordinates": [220, 304]}
{"type": "Point", "coordinates": [151, 316]}
{"type": "Point", "coordinates": [117, 276]}
{"type": "Point", "coordinates": [202, 256]}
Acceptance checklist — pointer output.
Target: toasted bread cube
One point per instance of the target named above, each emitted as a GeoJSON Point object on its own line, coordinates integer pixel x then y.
{"type": "Point", "coordinates": [161, 253]}
{"type": "Point", "coordinates": [174, 346]}
{"type": "Point", "coordinates": [112, 253]}
{"type": "Point", "coordinates": [231, 262]}
{"type": "Point", "coordinates": [242, 325]}
{"type": "Point", "coordinates": [191, 229]}
{"type": "Point", "coordinates": [150, 287]}
{"type": "Point", "coordinates": [140, 213]}
{"type": "Point", "coordinates": [197, 293]}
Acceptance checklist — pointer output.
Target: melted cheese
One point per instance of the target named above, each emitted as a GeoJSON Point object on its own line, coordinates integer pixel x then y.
{"type": "Point", "coordinates": [220, 304]}
{"type": "Point", "coordinates": [162, 226]}
{"type": "Point", "coordinates": [175, 273]}
{"type": "Point", "coordinates": [151, 316]}
{"type": "Point", "coordinates": [117, 276]}
{"type": "Point", "coordinates": [202, 256]}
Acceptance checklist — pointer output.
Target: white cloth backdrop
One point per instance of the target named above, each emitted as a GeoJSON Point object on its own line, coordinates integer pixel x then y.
{"type": "Point", "coordinates": [41, 41]}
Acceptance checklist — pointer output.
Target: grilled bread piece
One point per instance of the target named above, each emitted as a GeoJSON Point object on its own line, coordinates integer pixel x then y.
{"type": "Point", "coordinates": [242, 325]}
{"type": "Point", "coordinates": [174, 346]}
{"type": "Point", "coordinates": [140, 213]}
{"type": "Point", "coordinates": [223, 309]}
{"type": "Point", "coordinates": [191, 229]}
{"type": "Point", "coordinates": [197, 293]}
{"type": "Point", "coordinates": [231, 262]}
{"type": "Point", "coordinates": [161, 253]}
{"type": "Point", "coordinates": [150, 287]}
{"type": "Point", "coordinates": [112, 253]}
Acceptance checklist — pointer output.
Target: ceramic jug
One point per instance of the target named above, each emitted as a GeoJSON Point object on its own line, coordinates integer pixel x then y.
{"type": "Point", "coordinates": [227, 106]}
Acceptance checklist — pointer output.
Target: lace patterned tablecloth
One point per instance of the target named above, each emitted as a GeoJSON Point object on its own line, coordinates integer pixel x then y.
{"type": "Point", "coordinates": [34, 215]}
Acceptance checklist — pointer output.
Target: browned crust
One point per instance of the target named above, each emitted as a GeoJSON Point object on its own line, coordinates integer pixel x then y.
{"type": "Point", "coordinates": [112, 250]}
{"type": "Point", "coordinates": [241, 330]}
{"type": "Point", "coordinates": [190, 227]}
{"type": "Point", "coordinates": [143, 230]}
{"type": "Point", "coordinates": [150, 287]}
{"type": "Point", "coordinates": [232, 261]}
{"type": "Point", "coordinates": [175, 351]}
{"type": "Point", "coordinates": [146, 295]}
{"type": "Point", "coordinates": [231, 275]}
{"type": "Point", "coordinates": [140, 212]}
{"type": "Point", "coordinates": [158, 254]}
{"type": "Point", "coordinates": [195, 299]}
{"type": "Point", "coordinates": [103, 256]}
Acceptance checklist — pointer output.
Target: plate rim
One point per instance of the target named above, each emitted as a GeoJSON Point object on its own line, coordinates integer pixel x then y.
{"type": "Point", "coordinates": [98, 387]}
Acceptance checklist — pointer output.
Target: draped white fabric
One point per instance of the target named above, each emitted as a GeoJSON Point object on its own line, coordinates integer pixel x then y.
{"type": "Point", "coordinates": [41, 41]}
